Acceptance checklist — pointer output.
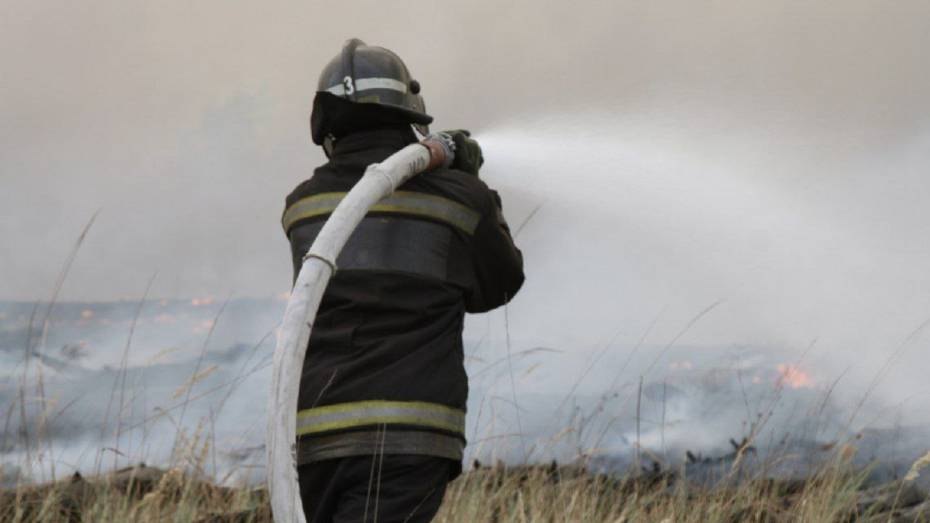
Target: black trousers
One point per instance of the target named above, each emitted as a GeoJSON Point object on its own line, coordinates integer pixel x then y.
{"type": "Point", "coordinates": [377, 489]}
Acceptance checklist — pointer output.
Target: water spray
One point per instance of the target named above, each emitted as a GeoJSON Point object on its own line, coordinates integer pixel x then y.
{"type": "Point", "coordinates": [319, 264]}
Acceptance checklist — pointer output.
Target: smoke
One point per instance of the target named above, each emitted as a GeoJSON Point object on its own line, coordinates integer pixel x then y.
{"type": "Point", "coordinates": [635, 228]}
{"type": "Point", "coordinates": [185, 386]}
{"type": "Point", "coordinates": [635, 224]}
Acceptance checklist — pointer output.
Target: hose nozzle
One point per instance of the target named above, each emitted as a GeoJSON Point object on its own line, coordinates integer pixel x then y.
{"type": "Point", "coordinates": [441, 148]}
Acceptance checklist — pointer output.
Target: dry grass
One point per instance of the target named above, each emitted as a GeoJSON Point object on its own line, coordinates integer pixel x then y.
{"type": "Point", "coordinates": [139, 494]}
{"type": "Point", "coordinates": [538, 494]}
{"type": "Point", "coordinates": [497, 494]}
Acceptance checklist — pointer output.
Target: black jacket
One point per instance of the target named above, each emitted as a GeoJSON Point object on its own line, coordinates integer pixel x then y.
{"type": "Point", "coordinates": [384, 368]}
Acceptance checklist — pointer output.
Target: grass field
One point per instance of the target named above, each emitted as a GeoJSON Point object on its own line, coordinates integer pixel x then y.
{"type": "Point", "coordinates": [498, 494]}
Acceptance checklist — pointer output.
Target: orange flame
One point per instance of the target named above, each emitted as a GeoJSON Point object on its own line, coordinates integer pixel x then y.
{"type": "Point", "coordinates": [794, 377]}
{"type": "Point", "coordinates": [197, 302]}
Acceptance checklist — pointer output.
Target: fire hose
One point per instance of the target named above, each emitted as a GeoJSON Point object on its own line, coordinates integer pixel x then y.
{"type": "Point", "coordinates": [379, 181]}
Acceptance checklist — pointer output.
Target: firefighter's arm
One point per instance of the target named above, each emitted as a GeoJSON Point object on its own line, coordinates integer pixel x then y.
{"type": "Point", "coordinates": [497, 262]}
{"type": "Point", "coordinates": [297, 257]}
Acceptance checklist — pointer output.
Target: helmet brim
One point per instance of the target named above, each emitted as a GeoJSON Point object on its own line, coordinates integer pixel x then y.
{"type": "Point", "coordinates": [335, 115]}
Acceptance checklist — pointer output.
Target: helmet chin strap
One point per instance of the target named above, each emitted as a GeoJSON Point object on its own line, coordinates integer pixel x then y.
{"type": "Point", "coordinates": [417, 132]}
{"type": "Point", "coordinates": [329, 143]}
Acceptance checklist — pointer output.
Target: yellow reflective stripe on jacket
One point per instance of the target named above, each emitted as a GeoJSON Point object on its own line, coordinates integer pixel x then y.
{"type": "Point", "coordinates": [431, 206]}
{"type": "Point", "coordinates": [362, 413]}
{"type": "Point", "coordinates": [312, 206]}
{"type": "Point", "coordinates": [401, 202]}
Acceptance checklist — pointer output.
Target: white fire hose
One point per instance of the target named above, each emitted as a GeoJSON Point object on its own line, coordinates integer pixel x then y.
{"type": "Point", "coordinates": [378, 182]}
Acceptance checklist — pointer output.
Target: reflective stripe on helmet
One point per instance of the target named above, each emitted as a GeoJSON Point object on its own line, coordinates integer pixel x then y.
{"type": "Point", "coordinates": [366, 84]}
{"type": "Point", "coordinates": [362, 413]}
{"type": "Point", "coordinates": [401, 202]}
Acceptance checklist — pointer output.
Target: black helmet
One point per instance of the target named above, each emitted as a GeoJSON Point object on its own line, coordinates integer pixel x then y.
{"type": "Point", "coordinates": [365, 86]}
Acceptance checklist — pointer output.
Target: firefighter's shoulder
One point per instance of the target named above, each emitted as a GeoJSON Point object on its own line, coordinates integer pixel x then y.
{"type": "Point", "coordinates": [461, 186]}
{"type": "Point", "coordinates": [323, 180]}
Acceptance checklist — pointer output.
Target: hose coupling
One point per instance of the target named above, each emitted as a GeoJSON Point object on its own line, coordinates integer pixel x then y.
{"type": "Point", "coordinates": [441, 148]}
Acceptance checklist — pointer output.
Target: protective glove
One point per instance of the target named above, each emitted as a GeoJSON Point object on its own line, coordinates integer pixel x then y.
{"type": "Point", "coordinates": [468, 156]}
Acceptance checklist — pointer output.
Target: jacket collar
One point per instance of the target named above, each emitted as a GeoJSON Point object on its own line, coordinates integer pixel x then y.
{"type": "Point", "coordinates": [390, 138]}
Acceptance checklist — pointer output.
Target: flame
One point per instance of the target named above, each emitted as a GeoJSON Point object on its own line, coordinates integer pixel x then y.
{"type": "Point", "coordinates": [794, 377]}
{"type": "Point", "coordinates": [197, 302]}
{"type": "Point", "coordinates": [87, 314]}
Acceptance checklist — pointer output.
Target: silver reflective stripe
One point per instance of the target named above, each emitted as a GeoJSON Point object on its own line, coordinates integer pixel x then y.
{"type": "Point", "coordinates": [372, 442]}
{"type": "Point", "coordinates": [401, 202]}
{"type": "Point", "coordinates": [365, 84]}
{"type": "Point", "coordinates": [361, 413]}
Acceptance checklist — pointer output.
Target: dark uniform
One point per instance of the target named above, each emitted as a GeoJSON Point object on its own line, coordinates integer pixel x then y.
{"type": "Point", "coordinates": [381, 421]}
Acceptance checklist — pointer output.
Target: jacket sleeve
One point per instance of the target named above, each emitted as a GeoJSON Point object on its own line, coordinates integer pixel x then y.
{"type": "Point", "coordinates": [497, 262]}
{"type": "Point", "coordinates": [298, 250]}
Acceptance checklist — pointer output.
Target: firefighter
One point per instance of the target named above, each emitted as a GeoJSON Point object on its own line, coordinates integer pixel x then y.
{"type": "Point", "coordinates": [381, 421]}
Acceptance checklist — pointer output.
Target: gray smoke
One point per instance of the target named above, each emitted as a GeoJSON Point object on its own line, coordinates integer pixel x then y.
{"type": "Point", "coordinates": [184, 384]}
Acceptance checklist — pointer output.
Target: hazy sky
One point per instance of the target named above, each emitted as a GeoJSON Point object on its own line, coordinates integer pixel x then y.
{"type": "Point", "coordinates": [772, 155]}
